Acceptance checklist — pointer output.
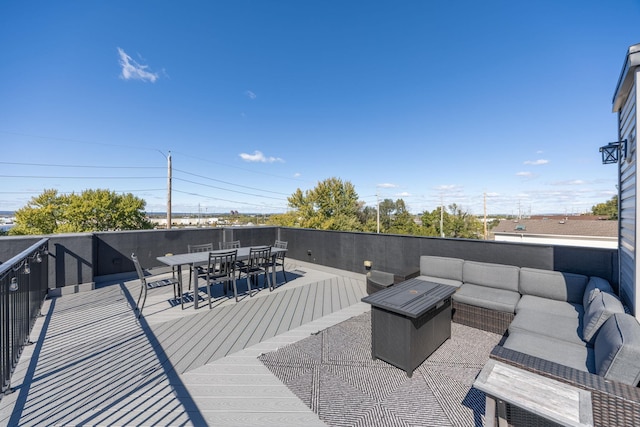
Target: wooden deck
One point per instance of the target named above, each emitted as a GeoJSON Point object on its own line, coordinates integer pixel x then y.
{"type": "Point", "coordinates": [94, 363]}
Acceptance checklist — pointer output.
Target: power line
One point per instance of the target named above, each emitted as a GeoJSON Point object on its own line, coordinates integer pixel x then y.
{"type": "Point", "coordinates": [224, 189]}
{"type": "Point", "coordinates": [80, 166]}
{"type": "Point", "coordinates": [229, 183]}
{"type": "Point", "coordinates": [242, 169]}
{"type": "Point", "coordinates": [82, 177]}
{"type": "Point", "coordinates": [226, 200]}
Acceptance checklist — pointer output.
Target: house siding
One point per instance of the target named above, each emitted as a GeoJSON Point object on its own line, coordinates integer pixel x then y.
{"type": "Point", "coordinates": [627, 123]}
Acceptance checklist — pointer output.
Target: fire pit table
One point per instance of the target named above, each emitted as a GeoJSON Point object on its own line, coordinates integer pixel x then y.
{"type": "Point", "coordinates": [409, 321]}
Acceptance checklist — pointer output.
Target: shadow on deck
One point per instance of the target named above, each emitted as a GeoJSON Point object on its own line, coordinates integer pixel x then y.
{"type": "Point", "coordinates": [94, 363]}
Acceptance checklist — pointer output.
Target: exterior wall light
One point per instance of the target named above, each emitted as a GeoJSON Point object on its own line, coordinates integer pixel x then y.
{"type": "Point", "coordinates": [367, 265]}
{"type": "Point", "coordinates": [612, 152]}
{"type": "Point", "coordinates": [13, 286]}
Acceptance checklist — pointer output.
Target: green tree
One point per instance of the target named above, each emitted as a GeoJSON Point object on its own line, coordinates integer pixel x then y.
{"type": "Point", "coordinates": [402, 221]}
{"type": "Point", "coordinates": [431, 222]}
{"type": "Point", "coordinates": [91, 210]}
{"type": "Point", "coordinates": [331, 205]}
{"type": "Point", "coordinates": [608, 209]}
{"type": "Point", "coordinates": [395, 218]}
{"type": "Point", "coordinates": [368, 216]}
{"type": "Point", "coordinates": [456, 223]}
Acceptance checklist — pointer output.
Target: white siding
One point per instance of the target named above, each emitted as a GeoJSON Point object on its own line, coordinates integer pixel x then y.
{"type": "Point", "coordinates": [627, 121]}
{"type": "Point", "coordinates": [547, 239]}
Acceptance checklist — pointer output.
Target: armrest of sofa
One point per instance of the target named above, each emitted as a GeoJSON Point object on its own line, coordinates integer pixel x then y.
{"type": "Point", "coordinates": [397, 278]}
{"type": "Point", "coordinates": [614, 403]}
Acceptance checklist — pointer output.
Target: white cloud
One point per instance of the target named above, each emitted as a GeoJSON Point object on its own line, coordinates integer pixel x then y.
{"type": "Point", "coordinates": [131, 70]}
{"type": "Point", "coordinates": [571, 182]}
{"type": "Point", "coordinates": [257, 156]}
{"type": "Point", "coordinates": [448, 187]}
{"type": "Point", "coordinates": [525, 174]}
{"type": "Point", "coordinates": [250, 94]}
{"type": "Point", "coordinates": [297, 175]}
{"type": "Point", "coordinates": [403, 194]}
{"type": "Point", "coordinates": [536, 162]}
{"type": "Point", "coordinates": [386, 185]}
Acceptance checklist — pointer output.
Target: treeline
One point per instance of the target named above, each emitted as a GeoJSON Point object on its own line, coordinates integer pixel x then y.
{"type": "Point", "coordinates": [333, 205]}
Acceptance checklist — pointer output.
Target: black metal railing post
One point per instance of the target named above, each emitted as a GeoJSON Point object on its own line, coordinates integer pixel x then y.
{"type": "Point", "coordinates": [23, 288]}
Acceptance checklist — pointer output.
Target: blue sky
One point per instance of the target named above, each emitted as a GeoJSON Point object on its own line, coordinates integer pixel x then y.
{"type": "Point", "coordinates": [421, 100]}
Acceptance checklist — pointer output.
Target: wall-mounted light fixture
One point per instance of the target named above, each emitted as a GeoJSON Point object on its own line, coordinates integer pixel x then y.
{"type": "Point", "coordinates": [13, 286]}
{"type": "Point", "coordinates": [613, 151]}
{"type": "Point", "coordinates": [367, 265]}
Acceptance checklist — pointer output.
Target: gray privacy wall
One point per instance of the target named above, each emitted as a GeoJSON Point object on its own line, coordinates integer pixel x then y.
{"type": "Point", "coordinates": [401, 254]}
{"type": "Point", "coordinates": [79, 258]}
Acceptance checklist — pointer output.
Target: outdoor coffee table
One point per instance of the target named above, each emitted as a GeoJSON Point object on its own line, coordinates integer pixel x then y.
{"type": "Point", "coordinates": [409, 321]}
{"type": "Point", "coordinates": [540, 396]}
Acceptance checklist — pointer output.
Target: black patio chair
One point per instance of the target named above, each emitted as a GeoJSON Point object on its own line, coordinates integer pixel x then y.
{"type": "Point", "coordinates": [279, 258]}
{"type": "Point", "coordinates": [148, 282]}
{"type": "Point", "coordinates": [258, 263]}
{"type": "Point", "coordinates": [206, 247]}
{"type": "Point", "coordinates": [233, 244]}
{"type": "Point", "coordinates": [222, 269]}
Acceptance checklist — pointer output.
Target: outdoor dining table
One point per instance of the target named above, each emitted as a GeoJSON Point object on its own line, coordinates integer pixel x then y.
{"type": "Point", "coordinates": [195, 259]}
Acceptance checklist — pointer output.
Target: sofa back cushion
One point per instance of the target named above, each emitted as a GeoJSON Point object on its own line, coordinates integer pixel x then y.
{"type": "Point", "coordinates": [444, 267]}
{"type": "Point", "coordinates": [497, 276]}
{"type": "Point", "coordinates": [617, 349]}
{"type": "Point", "coordinates": [603, 306]}
{"type": "Point", "coordinates": [595, 285]}
{"type": "Point", "coordinates": [555, 285]}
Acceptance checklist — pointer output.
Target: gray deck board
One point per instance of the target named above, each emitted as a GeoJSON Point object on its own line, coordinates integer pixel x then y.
{"type": "Point", "coordinates": [276, 316]}
{"type": "Point", "coordinates": [350, 293]}
{"type": "Point", "coordinates": [255, 324]}
{"type": "Point", "coordinates": [318, 302]}
{"type": "Point", "coordinates": [95, 363]}
{"type": "Point", "coordinates": [284, 323]}
{"type": "Point", "coordinates": [298, 308]}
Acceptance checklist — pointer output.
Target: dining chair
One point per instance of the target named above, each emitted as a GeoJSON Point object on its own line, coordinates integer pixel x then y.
{"type": "Point", "coordinates": [279, 258]}
{"type": "Point", "coordinates": [206, 247]}
{"type": "Point", "coordinates": [147, 283]}
{"type": "Point", "coordinates": [258, 262]}
{"type": "Point", "coordinates": [234, 244]}
{"type": "Point", "coordinates": [222, 269]}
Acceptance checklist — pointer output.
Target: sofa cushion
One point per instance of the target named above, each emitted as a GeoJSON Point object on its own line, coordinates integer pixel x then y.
{"type": "Point", "coordinates": [491, 298]}
{"type": "Point", "coordinates": [553, 284]}
{"type": "Point", "coordinates": [545, 305]}
{"type": "Point", "coordinates": [556, 326]}
{"type": "Point", "coordinates": [617, 349]}
{"type": "Point", "coordinates": [573, 355]}
{"type": "Point", "coordinates": [497, 276]}
{"type": "Point", "coordinates": [442, 267]}
{"type": "Point", "coordinates": [441, 280]}
{"type": "Point", "coordinates": [595, 285]}
{"type": "Point", "coordinates": [603, 306]}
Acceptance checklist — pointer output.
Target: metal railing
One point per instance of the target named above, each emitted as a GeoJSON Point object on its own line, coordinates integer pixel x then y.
{"type": "Point", "coordinates": [23, 288]}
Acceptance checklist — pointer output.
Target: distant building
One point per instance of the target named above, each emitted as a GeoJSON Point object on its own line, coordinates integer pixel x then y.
{"type": "Point", "coordinates": [568, 231]}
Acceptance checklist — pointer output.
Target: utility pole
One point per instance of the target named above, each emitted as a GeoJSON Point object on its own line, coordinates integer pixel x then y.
{"type": "Point", "coordinates": [441, 216]}
{"type": "Point", "coordinates": [169, 191]}
{"type": "Point", "coordinates": [378, 210]}
{"type": "Point", "coordinates": [485, 216]}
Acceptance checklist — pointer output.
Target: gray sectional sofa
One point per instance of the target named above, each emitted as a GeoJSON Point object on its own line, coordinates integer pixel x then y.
{"type": "Point", "coordinates": [552, 315]}
{"type": "Point", "coordinates": [563, 325]}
